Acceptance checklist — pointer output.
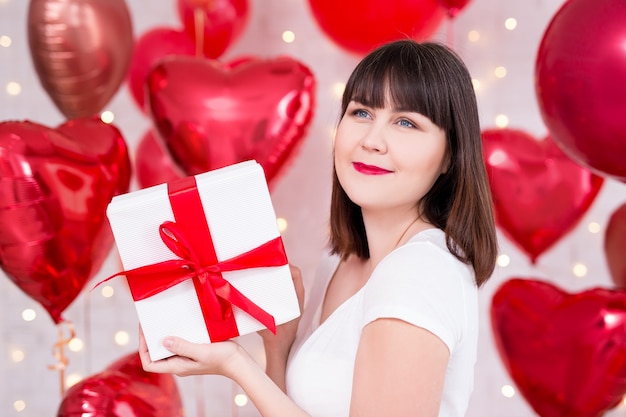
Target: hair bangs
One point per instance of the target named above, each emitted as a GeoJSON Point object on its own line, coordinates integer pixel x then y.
{"type": "Point", "coordinates": [389, 76]}
{"type": "Point", "coordinates": [408, 93]}
{"type": "Point", "coordinates": [369, 88]}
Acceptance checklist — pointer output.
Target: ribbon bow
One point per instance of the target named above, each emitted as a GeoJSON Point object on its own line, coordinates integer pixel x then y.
{"type": "Point", "coordinates": [216, 295]}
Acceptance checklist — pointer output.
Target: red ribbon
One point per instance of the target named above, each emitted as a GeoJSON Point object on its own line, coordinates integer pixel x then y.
{"type": "Point", "coordinates": [190, 239]}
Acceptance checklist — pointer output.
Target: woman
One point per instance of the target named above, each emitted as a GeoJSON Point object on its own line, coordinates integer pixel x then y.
{"type": "Point", "coordinates": [390, 326]}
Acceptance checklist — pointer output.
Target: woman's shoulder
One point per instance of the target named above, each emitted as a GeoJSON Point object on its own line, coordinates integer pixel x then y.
{"type": "Point", "coordinates": [424, 260]}
{"type": "Point", "coordinates": [424, 284]}
{"type": "Point", "coordinates": [432, 236]}
{"type": "Point", "coordinates": [426, 247]}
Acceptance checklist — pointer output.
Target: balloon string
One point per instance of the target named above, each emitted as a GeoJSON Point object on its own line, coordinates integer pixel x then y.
{"type": "Point", "coordinates": [58, 351]}
{"type": "Point", "coordinates": [198, 16]}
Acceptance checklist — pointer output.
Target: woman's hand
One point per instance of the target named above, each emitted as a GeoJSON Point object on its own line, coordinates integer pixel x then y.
{"type": "Point", "coordinates": [227, 359]}
{"type": "Point", "coordinates": [218, 358]}
{"type": "Point", "coordinates": [232, 361]}
{"type": "Point", "coordinates": [223, 358]}
{"type": "Point", "coordinates": [286, 332]}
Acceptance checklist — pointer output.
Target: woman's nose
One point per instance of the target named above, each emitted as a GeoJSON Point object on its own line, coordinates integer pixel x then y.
{"type": "Point", "coordinates": [374, 139]}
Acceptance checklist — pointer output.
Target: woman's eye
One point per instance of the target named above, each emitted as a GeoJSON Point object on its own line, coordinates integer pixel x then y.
{"type": "Point", "coordinates": [360, 113]}
{"type": "Point", "coordinates": [406, 123]}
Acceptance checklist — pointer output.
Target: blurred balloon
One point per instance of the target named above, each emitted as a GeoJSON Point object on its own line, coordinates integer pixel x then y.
{"type": "Point", "coordinates": [211, 115]}
{"type": "Point", "coordinates": [214, 25]}
{"type": "Point", "coordinates": [54, 189]}
{"type": "Point", "coordinates": [453, 7]}
{"type": "Point", "coordinates": [565, 352]}
{"type": "Point", "coordinates": [153, 164]}
{"type": "Point", "coordinates": [150, 48]}
{"type": "Point", "coordinates": [579, 73]}
{"type": "Point", "coordinates": [123, 389]}
{"type": "Point", "coordinates": [361, 25]}
{"type": "Point", "coordinates": [615, 246]}
{"type": "Point", "coordinates": [539, 193]}
{"type": "Point", "coordinates": [81, 50]}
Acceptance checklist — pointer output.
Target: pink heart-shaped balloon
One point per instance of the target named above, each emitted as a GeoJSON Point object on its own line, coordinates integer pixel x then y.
{"type": "Point", "coordinates": [213, 25]}
{"type": "Point", "coordinates": [123, 389]}
{"type": "Point", "coordinates": [211, 115]}
{"type": "Point", "coordinates": [615, 246]}
{"type": "Point", "coordinates": [361, 25]}
{"type": "Point", "coordinates": [565, 352]}
{"type": "Point", "coordinates": [55, 185]}
{"type": "Point", "coordinates": [150, 48]}
{"type": "Point", "coordinates": [539, 193]}
{"type": "Point", "coordinates": [81, 50]}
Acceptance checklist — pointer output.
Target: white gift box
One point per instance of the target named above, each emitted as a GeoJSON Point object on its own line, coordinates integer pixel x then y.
{"type": "Point", "coordinates": [240, 216]}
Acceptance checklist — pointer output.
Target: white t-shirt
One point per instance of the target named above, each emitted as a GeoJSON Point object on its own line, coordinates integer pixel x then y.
{"type": "Point", "coordinates": [421, 283]}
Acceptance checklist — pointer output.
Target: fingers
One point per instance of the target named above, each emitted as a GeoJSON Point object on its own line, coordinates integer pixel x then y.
{"type": "Point", "coordinates": [178, 364]}
{"type": "Point", "coordinates": [143, 350]}
{"type": "Point", "coordinates": [296, 276]}
{"type": "Point", "coordinates": [193, 358]}
{"type": "Point", "coordinates": [142, 340]}
{"type": "Point", "coordinates": [182, 347]}
{"type": "Point", "coordinates": [144, 355]}
{"type": "Point", "coordinates": [169, 365]}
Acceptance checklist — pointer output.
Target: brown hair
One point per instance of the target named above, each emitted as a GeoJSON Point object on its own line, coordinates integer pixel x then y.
{"type": "Point", "coordinates": [430, 79]}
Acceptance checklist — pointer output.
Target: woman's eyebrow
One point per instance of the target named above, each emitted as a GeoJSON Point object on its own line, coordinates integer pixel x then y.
{"type": "Point", "coordinates": [404, 109]}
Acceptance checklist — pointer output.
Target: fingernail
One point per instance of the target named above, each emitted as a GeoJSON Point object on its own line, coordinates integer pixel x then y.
{"type": "Point", "coordinates": [168, 342]}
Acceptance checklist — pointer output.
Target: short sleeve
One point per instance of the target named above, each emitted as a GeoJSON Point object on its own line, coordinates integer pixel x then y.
{"type": "Point", "coordinates": [424, 285]}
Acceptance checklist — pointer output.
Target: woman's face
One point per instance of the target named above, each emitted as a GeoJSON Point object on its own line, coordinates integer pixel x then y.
{"type": "Point", "coordinates": [388, 158]}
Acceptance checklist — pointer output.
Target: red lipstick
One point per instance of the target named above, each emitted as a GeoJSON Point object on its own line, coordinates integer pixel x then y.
{"type": "Point", "coordinates": [369, 169]}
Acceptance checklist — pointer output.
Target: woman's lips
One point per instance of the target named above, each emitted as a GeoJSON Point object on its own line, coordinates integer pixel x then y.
{"type": "Point", "coordinates": [369, 169]}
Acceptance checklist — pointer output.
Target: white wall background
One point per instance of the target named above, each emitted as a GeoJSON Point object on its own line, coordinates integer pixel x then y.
{"type": "Point", "coordinates": [301, 196]}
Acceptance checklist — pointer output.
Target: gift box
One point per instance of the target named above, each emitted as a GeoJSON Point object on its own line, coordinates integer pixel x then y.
{"type": "Point", "coordinates": [203, 257]}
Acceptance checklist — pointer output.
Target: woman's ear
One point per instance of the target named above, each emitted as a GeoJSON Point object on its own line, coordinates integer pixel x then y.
{"type": "Point", "coordinates": [445, 164]}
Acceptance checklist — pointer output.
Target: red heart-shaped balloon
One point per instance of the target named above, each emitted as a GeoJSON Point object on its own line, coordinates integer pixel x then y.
{"type": "Point", "coordinates": [211, 115]}
{"type": "Point", "coordinates": [123, 389]}
{"type": "Point", "coordinates": [150, 48]}
{"type": "Point", "coordinates": [615, 246]}
{"type": "Point", "coordinates": [539, 193]}
{"type": "Point", "coordinates": [213, 24]}
{"type": "Point", "coordinates": [55, 185]}
{"type": "Point", "coordinates": [565, 352]}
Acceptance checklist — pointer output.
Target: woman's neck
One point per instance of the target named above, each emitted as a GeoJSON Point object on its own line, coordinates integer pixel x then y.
{"type": "Point", "coordinates": [386, 232]}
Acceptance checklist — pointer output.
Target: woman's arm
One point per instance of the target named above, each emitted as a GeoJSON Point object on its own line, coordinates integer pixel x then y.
{"type": "Point", "coordinates": [277, 346]}
{"type": "Point", "coordinates": [276, 363]}
{"type": "Point", "coordinates": [399, 371]}
{"type": "Point", "coordinates": [227, 359]}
